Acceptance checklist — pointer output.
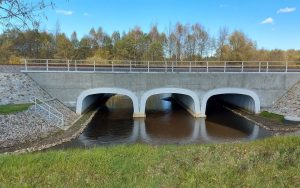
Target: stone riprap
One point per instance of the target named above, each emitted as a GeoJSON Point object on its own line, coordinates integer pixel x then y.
{"type": "Point", "coordinates": [29, 125]}
{"type": "Point", "coordinates": [289, 103]}
{"type": "Point", "coordinates": [16, 88]}
{"type": "Point", "coordinates": [24, 127]}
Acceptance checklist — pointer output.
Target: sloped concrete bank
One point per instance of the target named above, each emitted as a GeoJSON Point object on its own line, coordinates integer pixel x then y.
{"type": "Point", "coordinates": [275, 128]}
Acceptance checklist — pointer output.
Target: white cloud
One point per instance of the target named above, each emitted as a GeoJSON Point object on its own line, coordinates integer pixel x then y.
{"type": "Point", "coordinates": [65, 12]}
{"type": "Point", "coordinates": [267, 21]}
{"type": "Point", "coordinates": [286, 10]}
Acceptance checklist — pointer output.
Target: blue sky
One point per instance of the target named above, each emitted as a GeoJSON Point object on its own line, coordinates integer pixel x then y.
{"type": "Point", "coordinates": [271, 23]}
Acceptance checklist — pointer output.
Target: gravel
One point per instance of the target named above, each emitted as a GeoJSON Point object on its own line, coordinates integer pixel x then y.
{"type": "Point", "coordinates": [29, 125]}
{"type": "Point", "coordinates": [289, 103]}
{"type": "Point", "coordinates": [16, 88]}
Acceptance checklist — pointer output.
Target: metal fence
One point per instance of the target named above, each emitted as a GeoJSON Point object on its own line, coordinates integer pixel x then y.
{"type": "Point", "coordinates": [59, 65]}
{"type": "Point", "coordinates": [49, 111]}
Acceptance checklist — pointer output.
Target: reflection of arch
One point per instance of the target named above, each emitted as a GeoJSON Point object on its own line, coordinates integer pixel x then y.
{"type": "Point", "coordinates": [190, 139]}
{"type": "Point", "coordinates": [193, 95]}
{"type": "Point", "coordinates": [238, 91]}
{"type": "Point", "coordinates": [208, 138]}
{"type": "Point", "coordinates": [87, 97]}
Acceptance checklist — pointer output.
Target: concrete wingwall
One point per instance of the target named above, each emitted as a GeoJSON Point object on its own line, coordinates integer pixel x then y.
{"type": "Point", "coordinates": [267, 87]}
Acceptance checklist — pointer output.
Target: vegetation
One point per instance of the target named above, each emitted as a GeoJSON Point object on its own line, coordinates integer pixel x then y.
{"type": "Point", "coordinates": [181, 42]}
{"type": "Point", "coordinates": [273, 162]}
{"type": "Point", "coordinates": [21, 13]}
{"type": "Point", "coordinates": [13, 108]}
{"type": "Point", "coordinates": [272, 116]}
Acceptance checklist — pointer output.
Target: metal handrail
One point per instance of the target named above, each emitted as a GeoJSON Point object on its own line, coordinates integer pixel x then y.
{"type": "Point", "coordinates": [58, 65]}
{"type": "Point", "coordinates": [52, 112]}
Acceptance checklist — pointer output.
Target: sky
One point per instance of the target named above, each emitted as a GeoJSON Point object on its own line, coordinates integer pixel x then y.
{"type": "Point", "coordinates": [271, 23]}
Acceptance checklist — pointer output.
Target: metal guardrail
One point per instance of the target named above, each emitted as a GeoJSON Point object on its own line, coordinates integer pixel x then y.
{"type": "Point", "coordinates": [65, 65]}
{"type": "Point", "coordinates": [49, 110]}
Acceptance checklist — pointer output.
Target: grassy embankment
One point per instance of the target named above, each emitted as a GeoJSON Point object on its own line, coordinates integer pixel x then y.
{"type": "Point", "coordinates": [14, 108]}
{"type": "Point", "coordinates": [273, 162]}
{"type": "Point", "coordinates": [272, 116]}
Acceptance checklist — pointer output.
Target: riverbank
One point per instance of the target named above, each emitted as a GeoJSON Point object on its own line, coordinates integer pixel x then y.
{"type": "Point", "coordinates": [272, 162]}
{"type": "Point", "coordinates": [20, 124]}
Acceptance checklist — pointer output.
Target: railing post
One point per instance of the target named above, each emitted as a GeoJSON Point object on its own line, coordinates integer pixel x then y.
{"type": "Point", "coordinates": [75, 65]}
{"type": "Point", "coordinates": [259, 67]}
{"type": "Point", "coordinates": [130, 66]}
{"type": "Point", "coordinates": [190, 68]}
{"type": "Point", "coordinates": [242, 66]}
{"type": "Point", "coordinates": [286, 66]}
{"type": "Point", "coordinates": [148, 66]}
{"type": "Point", "coordinates": [172, 66]}
{"type": "Point", "coordinates": [206, 66]}
{"type": "Point", "coordinates": [225, 66]}
{"type": "Point", "coordinates": [68, 64]}
{"type": "Point", "coordinates": [166, 66]}
{"type": "Point", "coordinates": [47, 64]}
{"type": "Point", "coordinates": [112, 66]}
{"type": "Point", "coordinates": [267, 67]}
{"type": "Point", "coordinates": [26, 64]}
{"type": "Point", "coordinates": [94, 66]}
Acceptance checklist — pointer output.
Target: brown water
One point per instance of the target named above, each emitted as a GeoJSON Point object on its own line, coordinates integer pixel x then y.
{"type": "Point", "coordinates": [166, 123]}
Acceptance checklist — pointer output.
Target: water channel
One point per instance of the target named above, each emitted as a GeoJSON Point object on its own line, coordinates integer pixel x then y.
{"type": "Point", "coordinates": [166, 123]}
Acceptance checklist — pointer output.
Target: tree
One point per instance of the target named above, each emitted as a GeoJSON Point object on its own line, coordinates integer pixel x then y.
{"type": "Point", "coordinates": [242, 48]}
{"type": "Point", "coordinates": [201, 37]}
{"type": "Point", "coordinates": [21, 13]}
{"type": "Point", "coordinates": [74, 40]}
{"type": "Point", "coordinates": [222, 44]}
{"type": "Point", "coordinates": [64, 48]}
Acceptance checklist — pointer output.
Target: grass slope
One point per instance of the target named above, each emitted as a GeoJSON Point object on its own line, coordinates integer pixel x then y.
{"type": "Point", "coordinates": [13, 108]}
{"type": "Point", "coordinates": [273, 162]}
{"type": "Point", "coordinates": [272, 116]}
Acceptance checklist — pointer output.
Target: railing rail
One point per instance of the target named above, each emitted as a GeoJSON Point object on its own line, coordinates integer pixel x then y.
{"type": "Point", "coordinates": [66, 65]}
{"type": "Point", "coordinates": [49, 110]}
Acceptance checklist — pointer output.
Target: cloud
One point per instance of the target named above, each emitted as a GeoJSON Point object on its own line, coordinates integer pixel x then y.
{"type": "Point", "coordinates": [65, 12]}
{"type": "Point", "coordinates": [267, 21]}
{"type": "Point", "coordinates": [86, 14]}
{"type": "Point", "coordinates": [286, 10]}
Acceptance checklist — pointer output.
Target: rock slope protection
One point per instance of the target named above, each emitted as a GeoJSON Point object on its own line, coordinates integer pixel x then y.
{"type": "Point", "coordinates": [30, 125]}
{"type": "Point", "coordinates": [289, 103]}
{"type": "Point", "coordinates": [16, 88]}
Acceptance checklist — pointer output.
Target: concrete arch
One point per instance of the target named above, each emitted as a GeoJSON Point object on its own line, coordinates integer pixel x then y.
{"type": "Point", "coordinates": [221, 91]}
{"type": "Point", "coordinates": [82, 105]}
{"type": "Point", "coordinates": [195, 112]}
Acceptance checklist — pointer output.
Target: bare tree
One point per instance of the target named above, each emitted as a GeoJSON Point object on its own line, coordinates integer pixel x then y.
{"type": "Point", "coordinates": [222, 42]}
{"type": "Point", "coordinates": [21, 13]}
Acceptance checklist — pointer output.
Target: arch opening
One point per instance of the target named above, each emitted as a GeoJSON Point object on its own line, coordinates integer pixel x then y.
{"type": "Point", "coordinates": [186, 98]}
{"type": "Point", "coordinates": [241, 98]}
{"type": "Point", "coordinates": [92, 96]}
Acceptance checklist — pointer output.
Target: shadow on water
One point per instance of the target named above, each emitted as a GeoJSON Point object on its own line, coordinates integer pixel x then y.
{"type": "Point", "coordinates": [166, 123]}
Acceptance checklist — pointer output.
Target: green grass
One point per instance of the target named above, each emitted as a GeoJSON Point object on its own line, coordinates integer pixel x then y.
{"type": "Point", "coordinates": [272, 116]}
{"type": "Point", "coordinates": [13, 108]}
{"type": "Point", "coordinates": [273, 162]}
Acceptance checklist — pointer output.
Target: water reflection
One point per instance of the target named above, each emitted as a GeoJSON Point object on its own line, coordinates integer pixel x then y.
{"type": "Point", "coordinates": [167, 124]}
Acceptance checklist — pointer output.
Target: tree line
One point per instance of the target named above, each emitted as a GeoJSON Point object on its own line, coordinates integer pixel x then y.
{"type": "Point", "coordinates": [179, 42]}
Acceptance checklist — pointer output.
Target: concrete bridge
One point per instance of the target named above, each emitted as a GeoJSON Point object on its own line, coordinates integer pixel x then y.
{"type": "Point", "coordinates": [249, 90]}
